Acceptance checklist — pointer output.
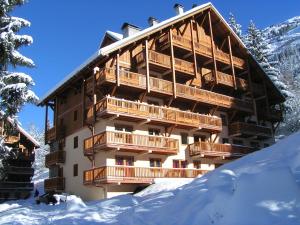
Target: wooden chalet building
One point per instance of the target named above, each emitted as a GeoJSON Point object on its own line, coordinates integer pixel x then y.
{"type": "Point", "coordinates": [174, 100]}
{"type": "Point", "coordinates": [16, 169]}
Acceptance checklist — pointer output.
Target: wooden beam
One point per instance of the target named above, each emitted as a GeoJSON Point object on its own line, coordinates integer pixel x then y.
{"type": "Point", "coordinates": [94, 94]}
{"type": "Point", "coordinates": [172, 63]}
{"type": "Point", "coordinates": [213, 47]}
{"type": "Point", "coordinates": [194, 54]}
{"type": "Point", "coordinates": [231, 62]}
{"type": "Point", "coordinates": [46, 123]}
{"type": "Point", "coordinates": [83, 101]}
{"type": "Point", "coordinates": [118, 69]}
{"type": "Point", "coordinates": [147, 66]}
{"type": "Point", "coordinates": [251, 90]}
{"type": "Point", "coordinates": [266, 94]}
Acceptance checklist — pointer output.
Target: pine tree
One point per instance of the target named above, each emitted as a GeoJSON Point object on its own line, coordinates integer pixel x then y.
{"type": "Point", "coordinates": [15, 87]}
{"type": "Point", "coordinates": [258, 47]}
{"type": "Point", "coordinates": [237, 28]}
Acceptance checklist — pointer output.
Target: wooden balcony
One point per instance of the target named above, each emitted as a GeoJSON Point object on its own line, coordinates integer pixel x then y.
{"type": "Point", "coordinates": [227, 80]}
{"type": "Point", "coordinates": [13, 186]}
{"type": "Point", "coordinates": [165, 87]}
{"type": "Point", "coordinates": [135, 175]}
{"type": "Point", "coordinates": [215, 149]}
{"type": "Point", "coordinates": [202, 48]}
{"type": "Point", "coordinates": [273, 115]}
{"type": "Point", "coordinates": [258, 89]}
{"type": "Point", "coordinates": [123, 141]}
{"type": "Point", "coordinates": [161, 60]}
{"type": "Point", "coordinates": [160, 115]}
{"type": "Point", "coordinates": [54, 158]}
{"type": "Point", "coordinates": [50, 134]}
{"type": "Point", "coordinates": [55, 184]}
{"type": "Point", "coordinates": [11, 139]}
{"type": "Point", "coordinates": [243, 129]}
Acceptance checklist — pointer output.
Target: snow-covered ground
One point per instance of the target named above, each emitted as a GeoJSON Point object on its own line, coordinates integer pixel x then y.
{"type": "Point", "coordinates": [261, 188]}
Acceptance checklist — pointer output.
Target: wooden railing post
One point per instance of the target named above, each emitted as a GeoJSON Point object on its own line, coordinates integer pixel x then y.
{"type": "Point", "coordinates": [194, 53]}
{"type": "Point", "coordinates": [147, 66]}
{"type": "Point", "coordinates": [172, 63]}
{"type": "Point", "coordinates": [83, 101]}
{"type": "Point", "coordinates": [118, 69]}
{"type": "Point", "coordinates": [231, 62]}
{"type": "Point", "coordinates": [46, 125]}
{"type": "Point", "coordinates": [251, 89]}
{"type": "Point", "coordinates": [212, 47]}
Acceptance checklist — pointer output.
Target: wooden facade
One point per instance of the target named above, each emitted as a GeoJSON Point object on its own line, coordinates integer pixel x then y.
{"type": "Point", "coordinates": [191, 75]}
{"type": "Point", "coordinates": [17, 170]}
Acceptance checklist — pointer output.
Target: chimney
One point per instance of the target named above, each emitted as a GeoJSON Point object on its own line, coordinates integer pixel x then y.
{"type": "Point", "coordinates": [152, 21]}
{"type": "Point", "coordinates": [129, 29]}
{"type": "Point", "coordinates": [178, 9]}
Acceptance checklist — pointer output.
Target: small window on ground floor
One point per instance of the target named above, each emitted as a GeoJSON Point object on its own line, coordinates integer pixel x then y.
{"type": "Point", "coordinates": [225, 140]}
{"type": "Point", "coordinates": [197, 164]}
{"type": "Point", "coordinates": [237, 142]}
{"type": "Point", "coordinates": [155, 162]}
{"type": "Point", "coordinates": [254, 144]}
{"type": "Point", "coordinates": [122, 127]}
{"type": "Point", "coordinates": [75, 142]}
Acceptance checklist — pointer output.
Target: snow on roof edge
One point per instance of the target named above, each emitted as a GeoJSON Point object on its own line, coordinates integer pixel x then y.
{"type": "Point", "coordinates": [25, 133]}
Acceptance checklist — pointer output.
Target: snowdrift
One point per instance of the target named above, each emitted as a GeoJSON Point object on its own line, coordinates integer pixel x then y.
{"type": "Point", "coordinates": [259, 189]}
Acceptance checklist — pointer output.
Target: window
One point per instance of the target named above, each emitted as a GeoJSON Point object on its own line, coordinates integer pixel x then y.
{"type": "Point", "coordinates": [197, 164]}
{"type": "Point", "coordinates": [179, 164]}
{"type": "Point", "coordinates": [124, 160]}
{"type": "Point", "coordinates": [75, 170]}
{"type": "Point", "coordinates": [224, 119]}
{"type": "Point", "coordinates": [198, 138]}
{"type": "Point", "coordinates": [155, 162]}
{"type": "Point", "coordinates": [75, 142]}
{"type": "Point", "coordinates": [184, 138]}
{"type": "Point", "coordinates": [225, 140]}
{"type": "Point", "coordinates": [266, 145]}
{"type": "Point", "coordinates": [153, 131]}
{"type": "Point", "coordinates": [254, 144]}
{"type": "Point", "coordinates": [152, 102]}
{"type": "Point", "coordinates": [125, 128]}
{"type": "Point", "coordinates": [75, 115]}
{"type": "Point", "coordinates": [237, 142]}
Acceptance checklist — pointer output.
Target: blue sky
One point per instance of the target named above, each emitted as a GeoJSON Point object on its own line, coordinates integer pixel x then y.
{"type": "Point", "coordinates": [67, 32]}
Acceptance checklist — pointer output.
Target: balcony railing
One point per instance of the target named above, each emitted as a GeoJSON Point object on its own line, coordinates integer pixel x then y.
{"type": "Point", "coordinates": [50, 134]}
{"type": "Point", "coordinates": [55, 157]}
{"type": "Point", "coordinates": [165, 61]}
{"type": "Point", "coordinates": [20, 170]}
{"type": "Point", "coordinates": [10, 185]}
{"type": "Point", "coordinates": [137, 175]}
{"type": "Point", "coordinates": [274, 115]}
{"type": "Point", "coordinates": [227, 80]}
{"type": "Point", "coordinates": [157, 114]}
{"type": "Point", "coordinates": [204, 48]}
{"type": "Point", "coordinates": [130, 142]}
{"type": "Point", "coordinates": [184, 91]}
{"type": "Point", "coordinates": [216, 149]}
{"type": "Point", "coordinates": [55, 184]}
{"type": "Point", "coordinates": [247, 129]}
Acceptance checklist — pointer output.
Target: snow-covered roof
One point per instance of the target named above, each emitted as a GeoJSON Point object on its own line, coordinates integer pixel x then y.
{"type": "Point", "coordinates": [102, 52]}
{"type": "Point", "coordinates": [24, 132]}
{"type": "Point", "coordinates": [115, 35]}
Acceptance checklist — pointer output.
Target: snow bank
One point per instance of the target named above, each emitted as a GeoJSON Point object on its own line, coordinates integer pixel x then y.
{"type": "Point", "coordinates": [258, 189]}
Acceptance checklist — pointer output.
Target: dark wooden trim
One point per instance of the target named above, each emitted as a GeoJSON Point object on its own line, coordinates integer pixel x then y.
{"type": "Point", "coordinates": [172, 63]}
{"type": "Point", "coordinates": [46, 123]}
{"type": "Point", "coordinates": [147, 66]}
{"type": "Point", "coordinates": [118, 69]}
{"type": "Point", "coordinates": [194, 53]}
{"type": "Point", "coordinates": [251, 89]}
{"type": "Point", "coordinates": [83, 101]}
{"type": "Point", "coordinates": [213, 47]}
{"type": "Point", "coordinates": [231, 62]}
